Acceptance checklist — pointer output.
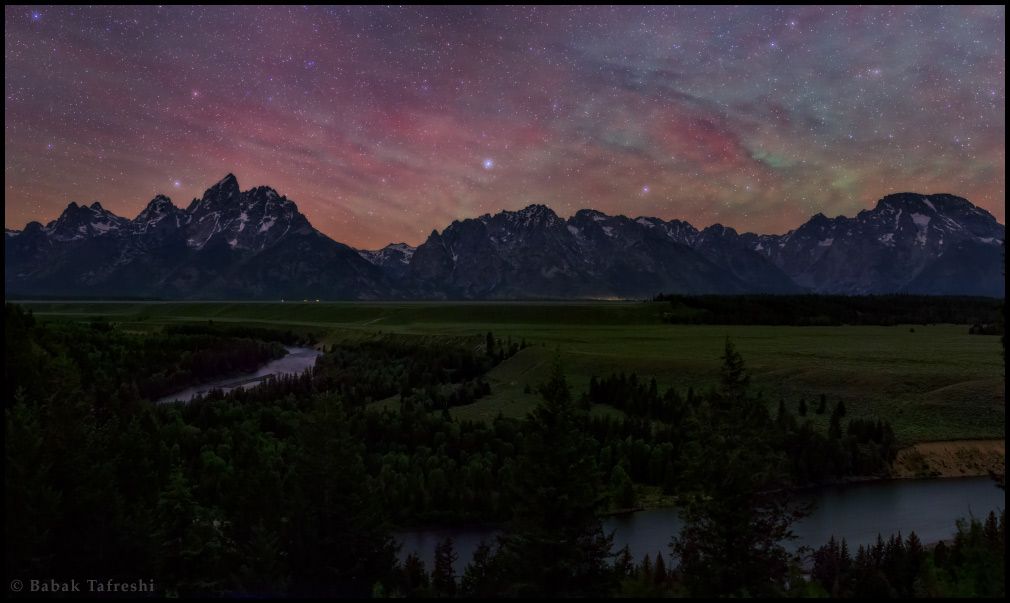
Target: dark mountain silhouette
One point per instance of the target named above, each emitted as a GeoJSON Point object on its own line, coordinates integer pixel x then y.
{"type": "Point", "coordinates": [255, 244]}
{"type": "Point", "coordinates": [228, 244]}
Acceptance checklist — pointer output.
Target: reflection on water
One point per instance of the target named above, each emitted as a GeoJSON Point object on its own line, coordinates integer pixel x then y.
{"type": "Point", "coordinates": [856, 512]}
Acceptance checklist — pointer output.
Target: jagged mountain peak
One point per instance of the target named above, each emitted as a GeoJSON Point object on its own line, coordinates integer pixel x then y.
{"type": "Point", "coordinates": [718, 230]}
{"type": "Point", "coordinates": [535, 214]}
{"type": "Point", "coordinates": [82, 221]}
{"type": "Point", "coordinates": [648, 221]}
{"type": "Point", "coordinates": [394, 257]}
{"type": "Point", "coordinates": [257, 244]}
{"type": "Point", "coordinates": [535, 209]}
{"type": "Point", "coordinates": [225, 245]}
{"type": "Point", "coordinates": [228, 184]}
{"type": "Point", "coordinates": [158, 209]}
{"type": "Point", "coordinates": [591, 214]}
{"type": "Point", "coordinates": [270, 199]}
{"type": "Point", "coordinates": [893, 247]}
{"type": "Point", "coordinates": [159, 204]}
{"type": "Point", "coordinates": [250, 220]}
{"type": "Point", "coordinates": [816, 224]}
{"type": "Point", "coordinates": [73, 209]}
{"type": "Point", "coordinates": [401, 247]}
{"type": "Point", "coordinates": [219, 196]}
{"type": "Point", "coordinates": [264, 192]}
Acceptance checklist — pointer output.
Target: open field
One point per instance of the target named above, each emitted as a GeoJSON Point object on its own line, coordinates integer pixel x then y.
{"type": "Point", "coordinates": [931, 382]}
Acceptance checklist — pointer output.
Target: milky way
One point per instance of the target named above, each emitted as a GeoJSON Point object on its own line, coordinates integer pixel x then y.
{"type": "Point", "coordinates": [385, 123]}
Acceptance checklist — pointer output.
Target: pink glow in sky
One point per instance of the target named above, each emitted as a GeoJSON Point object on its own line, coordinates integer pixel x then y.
{"type": "Point", "coordinates": [386, 123]}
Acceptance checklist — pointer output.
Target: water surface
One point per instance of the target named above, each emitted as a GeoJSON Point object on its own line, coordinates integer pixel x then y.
{"type": "Point", "coordinates": [296, 361]}
{"type": "Point", "coordinates": [856, 512]}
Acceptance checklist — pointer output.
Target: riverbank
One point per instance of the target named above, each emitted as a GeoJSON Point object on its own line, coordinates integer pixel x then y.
{"type": "Point", "coordinates": [295, 361]}
{"type": "Point", "coordinates": [955, 458]}
{"type": "Point", "coordinates": [926, 460]}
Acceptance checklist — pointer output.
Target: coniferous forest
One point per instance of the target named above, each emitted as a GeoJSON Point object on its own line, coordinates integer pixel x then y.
{"type": "Point", "coordinates": [295, 487]}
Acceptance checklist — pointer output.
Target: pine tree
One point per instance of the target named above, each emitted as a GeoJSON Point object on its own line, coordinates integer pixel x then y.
{"type": "Point", "coordinates": [645, 571]}
{"type": "Point", "coordinates": [194, 546]}
{"type": "Point", "coordinates": [416, 581]}
{"type": "Point", "coordinates": [915, 555]}
{"type": "Point", "coordinates": [624, 564]}
{"type": "Point", "coordinates": [33, 500]}
{"type": "Point", "coordinates": [263, 570]}
{"type": "Point", "coordinates": [803, 407]}
{"type": "Point", "coordinates": [941, 554]}
{"type": "Point", "coordinates": [443, 576]}
{"type": "Point", "coordinates": [659, 572]}
{"type": "Point", "coordinates": [554, 545]}
{"type": "Point", "coordinates": [734, 524]}
{"type": "Point", "coordinates": [489, 345]}
{"type": "Point", "coordinates": [478, 581]}
{"type": "Point", "coordinates": [622, 490]}
{"type": "Point", "coordinates": [340, 545]}
{"type": "Point", "coordinates": [835, 426]}
{"type": "Point", "coordinates": [733, 376]}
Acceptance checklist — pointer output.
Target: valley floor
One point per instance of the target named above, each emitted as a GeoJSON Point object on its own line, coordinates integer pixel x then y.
{"type": "Point", "coordinates": [931, 382]}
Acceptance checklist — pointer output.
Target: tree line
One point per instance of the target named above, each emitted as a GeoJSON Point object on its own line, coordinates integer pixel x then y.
{"type": "Point", "coordinates": [830, 310]}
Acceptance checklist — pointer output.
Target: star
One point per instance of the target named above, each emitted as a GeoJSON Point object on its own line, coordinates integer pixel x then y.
{"type": "Point", "coordinates": [488, 164]}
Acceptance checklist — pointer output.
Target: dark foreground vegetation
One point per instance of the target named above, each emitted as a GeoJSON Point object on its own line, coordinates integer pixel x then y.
{"type": "Point", "coordinates": [103, 362]}
{"type": "Point", "coordinates": [293, 488]}
{"type": "Point", "coordinates": [811, 310]}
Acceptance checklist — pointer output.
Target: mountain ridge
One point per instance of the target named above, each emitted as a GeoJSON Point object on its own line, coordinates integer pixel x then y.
{"type": "Point", "coordinates": [256, 244]}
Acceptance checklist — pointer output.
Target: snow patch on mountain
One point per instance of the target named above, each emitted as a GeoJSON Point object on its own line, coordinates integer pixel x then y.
{"type": "Point", "coordinates": [922, 223]}
{"type": "Point", "coordinates": [394, 254]}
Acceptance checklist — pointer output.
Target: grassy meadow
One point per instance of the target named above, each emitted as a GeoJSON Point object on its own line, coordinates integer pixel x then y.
{"type": "Point", "coordinates": [931, 382]}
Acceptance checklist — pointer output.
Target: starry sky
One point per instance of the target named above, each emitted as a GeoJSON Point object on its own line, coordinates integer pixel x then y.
{"type": "Point", "coordinates": [385, 123]}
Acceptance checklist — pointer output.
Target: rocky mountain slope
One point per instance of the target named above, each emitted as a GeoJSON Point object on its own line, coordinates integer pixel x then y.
{"type": "Point", "coordinates": [255, 244]}
{"type": "Point", "coordinates": [228, 244]}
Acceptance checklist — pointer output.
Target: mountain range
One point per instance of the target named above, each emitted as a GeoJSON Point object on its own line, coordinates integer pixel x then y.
{"type": "Point", "coordinates": [255, 244]}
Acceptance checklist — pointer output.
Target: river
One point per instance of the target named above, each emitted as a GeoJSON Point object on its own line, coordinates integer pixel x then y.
{"type": "Point", "coordinates": [856, 512]}
{"type": "Point", "coordinates": [296, 361]}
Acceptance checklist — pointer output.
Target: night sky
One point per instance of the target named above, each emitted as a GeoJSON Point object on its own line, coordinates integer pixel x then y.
{"type": "Point", "coordinates": [386, 123]}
